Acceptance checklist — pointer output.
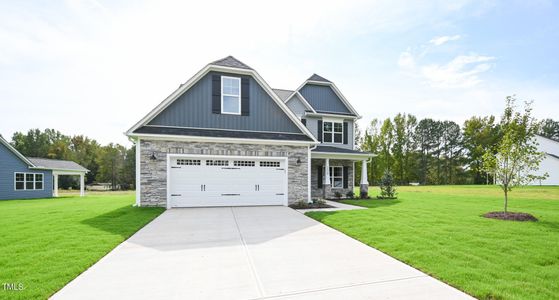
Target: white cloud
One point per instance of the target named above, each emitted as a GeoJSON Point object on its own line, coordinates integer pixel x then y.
{"type": "Point", "coordinates": [406, 60]}
{"type": "Point", "coordinates": [437, 41]}
{"type": "Point", "coordinates": [461, 72]}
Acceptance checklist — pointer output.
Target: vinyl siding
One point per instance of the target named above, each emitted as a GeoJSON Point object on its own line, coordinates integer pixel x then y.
{"type": "Point", "coordinates": [9, 164]}
{"type": "Point", "coordinates": [322, 98]}
{"type": "Point", "coordinates": [194, 109]}
{"type": "Point", "coordinates": [296, 106]}
{"type": "Point", "coordinates": [312, 125]}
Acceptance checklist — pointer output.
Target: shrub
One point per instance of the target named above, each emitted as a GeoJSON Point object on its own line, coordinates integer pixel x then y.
{"type": "Point", "coordinates": [338, 195]}
{"type": "Point", "coordinates": [387, 187]}
{"type": "Point", "coordinates": [363, 195]}
{"type": "Point", "coordinates": [350, 195]}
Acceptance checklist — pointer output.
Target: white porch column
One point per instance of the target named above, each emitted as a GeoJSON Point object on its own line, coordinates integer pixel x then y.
{"type": "Point", "coordinates": [55, 190]}
{"type": "Point", "coordinates": [364, 179]}
{"type": "Point", "coordinates": [327, 172]}
{"type": "Point", "coordinates": [82, 185]}
{"type": "Point", "coordinates": [364, 186]}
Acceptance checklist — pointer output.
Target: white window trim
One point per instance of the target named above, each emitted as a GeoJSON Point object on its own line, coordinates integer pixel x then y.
{"type": "Point", "coordinates": [332, 177]}
{"type": "Point", "coordinates": [25, 181]}
{"type": "Point", "coordinates": [230, 95]}
{"type": "Point", "coordinates": [331, 133]}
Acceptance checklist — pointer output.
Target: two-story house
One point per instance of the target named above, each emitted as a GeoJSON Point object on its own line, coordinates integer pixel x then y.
{"type": "Point", "coordinates": [226, 138]}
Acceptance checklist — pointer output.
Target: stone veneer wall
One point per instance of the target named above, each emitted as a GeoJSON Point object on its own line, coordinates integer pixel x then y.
{"type": "Point", "coordinates": [153, 173]}
{"type": "Point", "coordinates": [317, 192]}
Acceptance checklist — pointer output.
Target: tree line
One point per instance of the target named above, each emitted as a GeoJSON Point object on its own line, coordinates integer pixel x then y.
{"type": "Point", "coordinates": [431, 151]}
{"type": "Point", "coordinates": [112, 163]}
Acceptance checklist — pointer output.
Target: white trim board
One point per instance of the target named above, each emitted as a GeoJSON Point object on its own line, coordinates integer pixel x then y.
{"type": "Point", "coordinates": [187, 138]}
{"type": "Point", "coordinates": [208, 68]}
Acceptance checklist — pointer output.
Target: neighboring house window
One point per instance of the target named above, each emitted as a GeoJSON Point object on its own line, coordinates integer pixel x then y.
{"type": "Point", "coordinates": [230, 95]}
{"type": "Point", "coordinates": [333, 132]}
{"type": "Point", "coordinates": [28, 181]}
{"type": "Point", "coordinates": [337, 177]}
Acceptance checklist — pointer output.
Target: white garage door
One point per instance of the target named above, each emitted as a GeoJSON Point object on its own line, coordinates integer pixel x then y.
{"type": "Point", "coordinates": [219, 181]}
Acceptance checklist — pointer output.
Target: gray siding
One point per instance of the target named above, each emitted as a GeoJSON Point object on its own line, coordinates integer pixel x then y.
{"type": "Point", "coordinates": [194, 109]}
{"type": "Point", "coordinates": [322, 98]}
{"type": "Point", "coordinates": [312, 125]}
{"type": "Point", "coordinates": [9, 164]}
{"type": "Point", "coordinates": [296, 106]}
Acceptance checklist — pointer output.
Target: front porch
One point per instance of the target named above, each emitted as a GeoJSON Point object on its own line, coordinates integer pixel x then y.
{"type": "Point", "coordinates": [333, 172]}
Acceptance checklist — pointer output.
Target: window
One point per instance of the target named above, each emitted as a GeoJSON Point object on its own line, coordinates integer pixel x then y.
{"type": "Point", "coordinates": [28, 181]}
{"type": "Point", "coordinates": [217, 163]}
{"type": "Point", "coordinates": [272, 164]}
{"type": "Point", "coordinates": [188, 162]}
{"type": "Point", "coordinates": [20, 181]}
{"type": "Point", "coordinates": [230, 95]}
{"type": "Point", "coordinates": [337, 177]}
{"type": "Point", "coordinates": [333, 132]}
{"type": "Point", "coordinates": [244, 163]}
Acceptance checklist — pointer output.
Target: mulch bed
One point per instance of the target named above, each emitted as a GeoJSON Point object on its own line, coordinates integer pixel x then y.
{"type": "Point", "coordinates": [310, 205]}
{"type": "Point", "coordinates": [510, 216]}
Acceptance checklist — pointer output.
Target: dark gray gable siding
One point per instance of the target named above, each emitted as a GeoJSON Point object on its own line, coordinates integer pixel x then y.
{"type": "Point", "coordinates": [323, 98]}
{"type": "Point", "coordinates": [194, 109]}
{"type": "Point", "coordinates": [9, 164]}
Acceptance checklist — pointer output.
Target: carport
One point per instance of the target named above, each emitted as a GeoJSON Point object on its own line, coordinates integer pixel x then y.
{"type": "Point", "coordinates": [61, 167]}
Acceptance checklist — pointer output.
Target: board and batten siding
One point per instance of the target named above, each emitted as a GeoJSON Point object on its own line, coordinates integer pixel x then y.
{"type": "Point", "coordinates": [322, 98]}
{"type": "Point", "coordinates": [194, 109]}
{"type": "Point", "coordinates": [9, 164]}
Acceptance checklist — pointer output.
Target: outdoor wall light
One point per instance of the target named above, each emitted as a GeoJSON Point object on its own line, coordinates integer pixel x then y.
{"type": "Point", "coordinates": [153, 157]}
{"type": "Point", "coordinates": [298, 160]}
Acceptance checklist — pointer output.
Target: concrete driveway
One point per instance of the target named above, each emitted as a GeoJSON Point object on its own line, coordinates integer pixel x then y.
{"type": "Point", "coordinates": [249, 253]}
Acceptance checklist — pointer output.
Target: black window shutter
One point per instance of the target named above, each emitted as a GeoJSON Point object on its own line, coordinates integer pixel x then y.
{"type": "Point", "coordinates": [346, 177]}
{"type": "Point", "coordinates": [320, 131]}
{"type": "Point", "coordinates": [345, 132]}
{"type": "Point", "coordinates": [319, 177]}
{"type": "Point", "coordinates": [245, 101]}
{"type": "Point", "coordinates": [216, 94]}
{"type": "Point", "coordinates": [304, 121]}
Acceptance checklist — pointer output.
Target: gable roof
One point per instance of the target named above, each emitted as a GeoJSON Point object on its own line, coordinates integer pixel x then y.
{"type": "Point", "coordinates": [283, 94]}
{"type": "Point", "coordinates": [232, 62]}
{"type": "Point", "coordinates": [319, 80]}
{"type": "Point", "coordinates": [14, 151]}
{"type": "Point", "coordinates": [56, 164]}
{"type": "Point", "coordinates": [227, 65]}
{"type": "Point", "coordinates": [316, 77]}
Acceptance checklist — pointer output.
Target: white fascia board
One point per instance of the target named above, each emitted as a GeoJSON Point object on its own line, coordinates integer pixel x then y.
{"type": "Point", "coordinates": [14, 150]}
{"type": "Point", "coordinates": [332, 155]}
{"type": "Point", "coordinates": [186, 138]}
{"type": "Point", "coordinates": [331, 116]}
{"type": "Point", "coordinates": [171, 98]}
{"type": "Point", "coordinates": [64, 171]}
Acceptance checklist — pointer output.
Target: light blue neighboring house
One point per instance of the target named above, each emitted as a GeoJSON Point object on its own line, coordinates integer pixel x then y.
{"type": "Point", "coordinates": [29, 178]}
{"type": "Point", "coordinates": [226, 138]}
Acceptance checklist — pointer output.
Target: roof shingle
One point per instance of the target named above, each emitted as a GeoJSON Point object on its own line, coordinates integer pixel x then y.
{"type": "Point", "coordinates": [316, 77]}
{"type": "Point", "coordinates": [56, 164]}
{"type": "Point", "coordinates": [232, 62]}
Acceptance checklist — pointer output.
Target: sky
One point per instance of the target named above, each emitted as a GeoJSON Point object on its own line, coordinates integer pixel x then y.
{"type": "Point", "coordinates": [96, 67]}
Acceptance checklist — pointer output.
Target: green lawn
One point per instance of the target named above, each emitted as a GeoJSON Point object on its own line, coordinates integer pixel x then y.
{"type": "Point", "coordinates": [46, 243]}
{"type": "Point", "coordinates": [439, 230]}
